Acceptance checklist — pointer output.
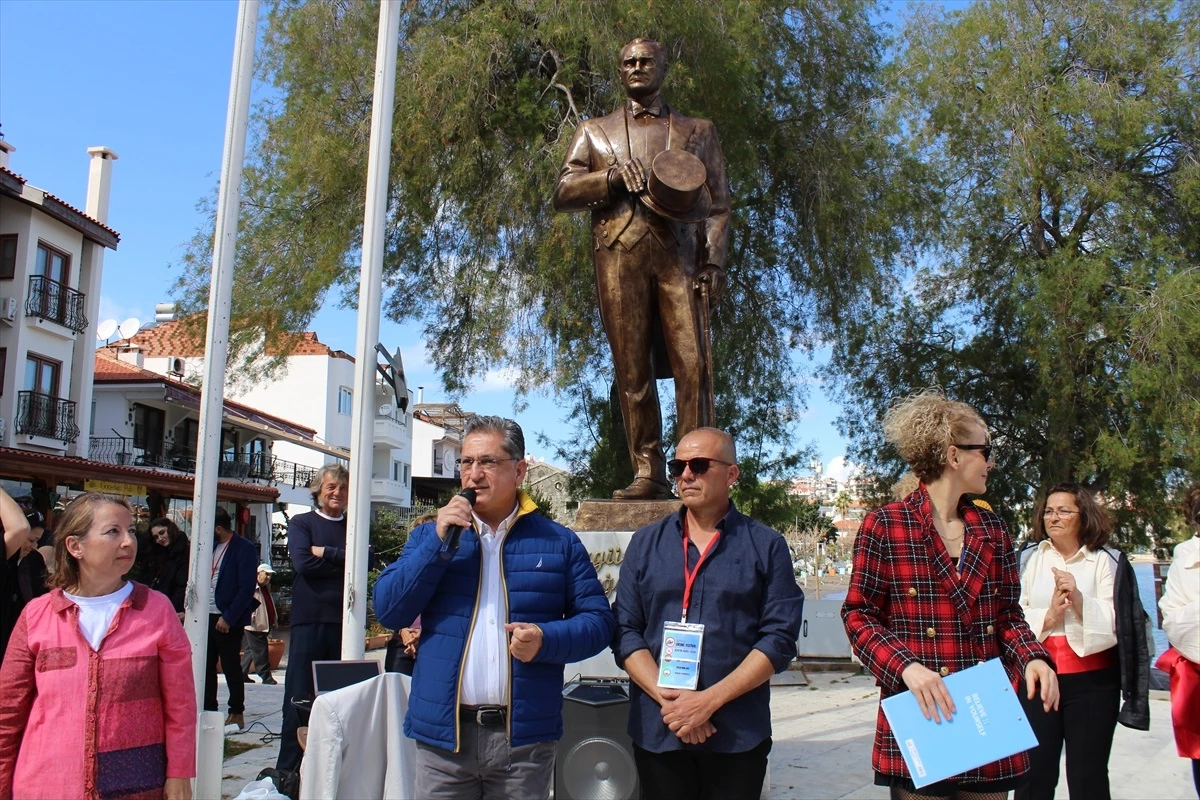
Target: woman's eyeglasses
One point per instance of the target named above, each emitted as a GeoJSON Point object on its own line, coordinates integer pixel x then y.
{"type": "Point", "coordinates": [698, 465]}
{"type": "Point", "coordinates": [1064, 513]}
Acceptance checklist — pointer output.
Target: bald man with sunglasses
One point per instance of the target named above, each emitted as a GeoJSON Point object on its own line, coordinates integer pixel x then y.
{"type": "Point", "coordinates": [707, 610]}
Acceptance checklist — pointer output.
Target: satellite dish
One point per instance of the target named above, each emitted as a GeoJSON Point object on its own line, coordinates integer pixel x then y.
{"type": "Point", "coordinates": [106, 329]}
{"type": "Point", "coordinates": [129, 327]}
{"type": "Point", "coordinates": [386, 410]}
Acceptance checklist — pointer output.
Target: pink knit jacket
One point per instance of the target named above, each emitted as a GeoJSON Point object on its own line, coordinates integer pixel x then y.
{"type": "Point", "coordinates": [116, 723]}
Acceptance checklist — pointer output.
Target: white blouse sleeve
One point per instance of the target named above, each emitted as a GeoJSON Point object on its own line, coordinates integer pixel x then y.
{"type": "Point", "coordinates": [1180, 602]}
{"type": "Point", "coordinates": [1098, 630]}
{"type": "Point", "coordinates": [1035, 615]}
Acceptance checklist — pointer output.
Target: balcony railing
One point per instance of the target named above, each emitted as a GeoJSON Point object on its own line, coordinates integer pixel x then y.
{"type": "Point", "coordinates": [168, 455]}
{"type": "Point", "coordinates": [45, 415]}
{"type": "Point", "coordinates": [56, 302]}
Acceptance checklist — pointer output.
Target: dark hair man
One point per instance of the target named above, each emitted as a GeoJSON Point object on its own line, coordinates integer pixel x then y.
{"type": "Point", "coordinates": [701, 635]}
{"type": "Point", "coordinates": [230, 604]}
{"type": "Point", "coordinates": [500, 616]}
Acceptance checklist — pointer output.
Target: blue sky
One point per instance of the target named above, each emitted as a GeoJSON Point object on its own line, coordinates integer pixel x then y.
{"type": "Point", "coordinates": [151, 81]}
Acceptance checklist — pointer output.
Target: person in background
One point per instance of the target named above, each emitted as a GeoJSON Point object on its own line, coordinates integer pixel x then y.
{"type": "Point", "coordinates": [317, 545]}
{"type": "Point", "coordinates": [28, 565]}
{"type": "Point", "coordinates": [706, 564]}
{"type": "Point", "coordinates": [1180, 606]}
{"type": "Point", "coordinates": [402, 647]}
{"type": "Point", "coordinates": [935, 590]}
{"type": "Point", "coordinates": [254, 640]}
{"type": "Point", "coordinates": [43, 538]}
{"type": "Point", "coordinates": [167, 566]}
{"type": "Point", "coordinates": [15, 524]}
{"type": "Point", "coordinates": [229, 608]}
{"type": "Point", "coordinates": [1081, 600]}
{"type": "Point", "coordinates": [98, 696]}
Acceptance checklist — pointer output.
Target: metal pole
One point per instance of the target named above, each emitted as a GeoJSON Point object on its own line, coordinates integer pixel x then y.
{"type": "Point", "coordinates": [370, 295]}
{"type": "Point", "coordinates": [212, 404]}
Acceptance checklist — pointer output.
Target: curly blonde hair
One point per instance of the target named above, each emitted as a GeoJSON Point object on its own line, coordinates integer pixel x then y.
{"type": "Point", "coordinates": [923, 425]}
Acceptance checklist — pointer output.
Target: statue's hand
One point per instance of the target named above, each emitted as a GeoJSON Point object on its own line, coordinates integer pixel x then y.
{"type": "Point", "coordinates": [633, 175]}
{"type": "Point", "coordinates": [714, 277]}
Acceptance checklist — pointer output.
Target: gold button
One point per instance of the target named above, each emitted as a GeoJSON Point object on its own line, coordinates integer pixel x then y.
{"type": "Point", "coordinates": [991, 629]}
{"type": "Point", "coordinates": [944, 671]}
{"type": "Point", "coordinates": [930, 632]}
{"type": "Point", "coordinates": [912, 591]}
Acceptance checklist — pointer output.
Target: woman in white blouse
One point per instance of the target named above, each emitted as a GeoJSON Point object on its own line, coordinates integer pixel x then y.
{"type": "Point", "coordinates": [1180, 607]}
{"type": "Point", "coordinates": [1067, 594]}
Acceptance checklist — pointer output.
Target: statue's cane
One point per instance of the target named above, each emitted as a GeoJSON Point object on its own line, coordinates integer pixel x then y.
{"type": "Point", "coordinates": [708, 411]}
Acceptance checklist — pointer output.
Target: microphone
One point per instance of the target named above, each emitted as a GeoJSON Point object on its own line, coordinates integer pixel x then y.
{"type": "Point", "coordinates": [450, 545]}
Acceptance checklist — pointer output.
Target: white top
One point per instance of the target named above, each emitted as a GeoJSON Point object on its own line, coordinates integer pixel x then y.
{"type": "Point", "coordinates": [321, 513]}
{"type": "Point", "coordinates": [218, 557]}
{"type": "Point", "coordinates": [356, 742]}
{"type": "Point", "coordinates": [1180, 604]}
{"type": "Point", "coordinates": [485, 667]}
{"type": "Point", "coordinates": [96, 613]}
{"type": "Point", "coordinates": [1093, 571]}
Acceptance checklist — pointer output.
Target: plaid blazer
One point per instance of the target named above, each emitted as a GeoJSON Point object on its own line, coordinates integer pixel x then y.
{"type": "Point", "coordinates": [906, 604]}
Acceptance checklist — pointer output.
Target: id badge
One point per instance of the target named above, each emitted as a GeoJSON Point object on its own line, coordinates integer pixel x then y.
{"type": "Point", "coordinates": [679, 658]}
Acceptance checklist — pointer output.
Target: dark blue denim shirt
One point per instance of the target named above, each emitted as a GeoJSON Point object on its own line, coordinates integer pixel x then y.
{"type": "Point", "coordinates": [746, 597]}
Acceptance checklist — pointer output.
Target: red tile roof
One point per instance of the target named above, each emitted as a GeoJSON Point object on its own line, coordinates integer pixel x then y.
{"type": "Point", "coordinates": [112, 370]}
{"type": "Point", "coordinates": [15, 175]}
{"type": "Point", "coordinates": [83, 214]}
{"type": "Point", "coordinates": [187, 341]}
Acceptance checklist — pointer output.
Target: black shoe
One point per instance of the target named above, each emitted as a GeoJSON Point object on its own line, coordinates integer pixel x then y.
{"type": "Point", "coordinates": [269, 681]}
{"type": "Point", "coordinates": [247, 679]}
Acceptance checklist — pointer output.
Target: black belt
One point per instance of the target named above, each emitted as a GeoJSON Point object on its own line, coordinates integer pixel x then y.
{"type": "Point", "coordinates": [484, 716]}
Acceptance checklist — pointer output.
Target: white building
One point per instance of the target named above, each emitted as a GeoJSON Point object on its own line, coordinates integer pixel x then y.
{"type": "Point", "coordinates": [314, 389]}
{"type": "Point", "coordinates": [437, 442]}
{"type": "Point", "coordinates": [51, 265]}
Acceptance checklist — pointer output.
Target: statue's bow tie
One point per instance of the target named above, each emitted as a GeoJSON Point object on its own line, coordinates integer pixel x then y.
{"type": "Point", "coordinates": [640, 110]}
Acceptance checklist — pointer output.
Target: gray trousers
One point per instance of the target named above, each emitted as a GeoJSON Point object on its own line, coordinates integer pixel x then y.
{"type": "Point", "coordinates": [485, 768]}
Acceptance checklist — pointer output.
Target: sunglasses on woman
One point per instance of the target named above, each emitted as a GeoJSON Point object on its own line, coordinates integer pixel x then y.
{"type": "Point", "coordinates": [986, 449]}
{"type": "Point", "coordinates": [698, 465]}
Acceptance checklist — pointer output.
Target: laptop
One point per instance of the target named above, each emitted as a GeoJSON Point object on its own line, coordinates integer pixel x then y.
{"type": "Point", "coordinates": [329, 676]}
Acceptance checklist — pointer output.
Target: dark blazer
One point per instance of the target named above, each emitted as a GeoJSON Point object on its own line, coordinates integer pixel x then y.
{"type": "Point", "coordinates": [235, 585]}
{"type": "Point", "coordinates": [601, 144]}
{"type": "Point", "coordinates": [905, 605]}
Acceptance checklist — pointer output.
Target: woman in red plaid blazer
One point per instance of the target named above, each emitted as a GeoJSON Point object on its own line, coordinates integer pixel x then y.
{"type": "Point", "coordinates": [935, 589]}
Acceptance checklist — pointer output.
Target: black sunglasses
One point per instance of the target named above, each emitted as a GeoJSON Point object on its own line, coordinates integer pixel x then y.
{"type": "Point", "coordinates": [986, 449]}
{"type": "Point", "coordinates": [698, 465]}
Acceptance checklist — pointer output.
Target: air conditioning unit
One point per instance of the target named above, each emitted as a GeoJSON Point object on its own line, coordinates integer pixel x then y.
{"type": "Point", "coordinates": [176, 367]}
{"type": "Point", "coordinates": [8, 309]}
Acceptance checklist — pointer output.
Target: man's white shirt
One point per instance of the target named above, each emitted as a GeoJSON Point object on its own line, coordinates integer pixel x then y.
{"type": "Point", "coordinates": [485, 667]}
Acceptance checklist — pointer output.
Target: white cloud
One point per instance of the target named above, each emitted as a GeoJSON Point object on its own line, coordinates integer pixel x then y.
{"type": "Point", "coordinates": [841, 468]}
{"type": "Point", "coordinates": [499, 380]}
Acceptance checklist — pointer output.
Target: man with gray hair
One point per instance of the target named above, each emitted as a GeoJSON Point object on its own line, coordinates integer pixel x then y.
{"type": "Point", "coordinates": [317, 545]}
{"type": "Point", "coordinates": [506, 597]}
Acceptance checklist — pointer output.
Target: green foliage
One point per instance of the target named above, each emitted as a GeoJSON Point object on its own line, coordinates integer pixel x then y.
{"type": "Point", "coordinates": [487, 97]}
{"type": "Point", "coordinates": [1059, 292]}
{"type": "Point", "coordinates": [388, 535]}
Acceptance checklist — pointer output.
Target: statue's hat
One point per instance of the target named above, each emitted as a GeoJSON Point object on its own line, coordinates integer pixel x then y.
{"type": "Point", "coordinates": [676, 188]}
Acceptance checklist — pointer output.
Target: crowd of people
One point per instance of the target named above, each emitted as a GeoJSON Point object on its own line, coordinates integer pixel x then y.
{"type": "Point", "coordinates": [491, 600]}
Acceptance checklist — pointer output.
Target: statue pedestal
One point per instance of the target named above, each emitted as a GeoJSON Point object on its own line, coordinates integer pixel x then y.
{"type": "Point", "coordinates": [621, 515]}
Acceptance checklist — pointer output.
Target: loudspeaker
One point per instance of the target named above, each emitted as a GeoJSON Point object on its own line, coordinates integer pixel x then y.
{"type": "Point", "coordinates": [595, 756]}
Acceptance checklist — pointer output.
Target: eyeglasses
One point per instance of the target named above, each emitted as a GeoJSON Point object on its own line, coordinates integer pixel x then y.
{"type": "Point", "coordinates": [986, 449]}
{"type": "Point", "coordinates": [1064, 513]}
{"type": "Point", "coordinates": [698, 465]}
{"type": "Point", "coordinates": [487, 463]}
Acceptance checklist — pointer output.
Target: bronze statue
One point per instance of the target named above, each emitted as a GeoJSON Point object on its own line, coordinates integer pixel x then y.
{"type": "Point", "coordinates": [655, 183]}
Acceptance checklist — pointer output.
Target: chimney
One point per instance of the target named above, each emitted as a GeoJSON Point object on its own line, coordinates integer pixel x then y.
{"type": "Point", "coordinates": [99, 183]}
{"type": "Point", "coordinates": [132, 354]}
{"type": "Point", "coordinates": [5, 149]}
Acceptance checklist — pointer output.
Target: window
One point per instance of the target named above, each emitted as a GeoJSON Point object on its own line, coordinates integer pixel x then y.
{"type": "Point", "coordinates": [8, 256]}
{"type": "Point", "coordinates": [148, 427]}
{"type": "Point", "coordinates": [41, 375]}
{"type": "Point", "coordinates": [345, 400]}
{"type": "Point", "coordinates": [396, 471]}
{"type": "Point", "coordinates": [48, 285]}
{"type": "Point", "coordinates": [53, 264]}
{"type": "Point", "coordinates": [3, 366]}
{"type": "Point", "coordinates": [400, 472]}
{"type": "Point", "coordinates": [404, 478]}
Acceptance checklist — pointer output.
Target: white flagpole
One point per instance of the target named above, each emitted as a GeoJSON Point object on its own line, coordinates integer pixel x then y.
{"type": "Point", "coordinates": [204, 501]}
{"type": "Point", "coordinates": [370, 295]}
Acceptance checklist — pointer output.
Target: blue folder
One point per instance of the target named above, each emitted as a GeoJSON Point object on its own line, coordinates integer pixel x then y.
{"type": "Point", "coordinates": [989, 724]}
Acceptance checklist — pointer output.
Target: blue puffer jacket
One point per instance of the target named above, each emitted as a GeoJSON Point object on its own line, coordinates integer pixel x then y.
{"type": "Point", "coordinates": [549, 580]}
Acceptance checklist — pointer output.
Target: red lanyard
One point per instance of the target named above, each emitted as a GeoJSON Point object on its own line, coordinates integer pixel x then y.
{"type": "Point", "coordinates": [216, 567]}
{"type": "Point", "coordinates": [690, 577]}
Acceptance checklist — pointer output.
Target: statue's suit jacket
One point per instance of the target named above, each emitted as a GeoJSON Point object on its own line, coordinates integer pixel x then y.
{"type": "Point", "coordinates": [601, 144]}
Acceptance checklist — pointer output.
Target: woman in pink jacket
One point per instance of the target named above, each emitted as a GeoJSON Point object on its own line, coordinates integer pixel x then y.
{"type": "Point", "coordinates": [98, 698]}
